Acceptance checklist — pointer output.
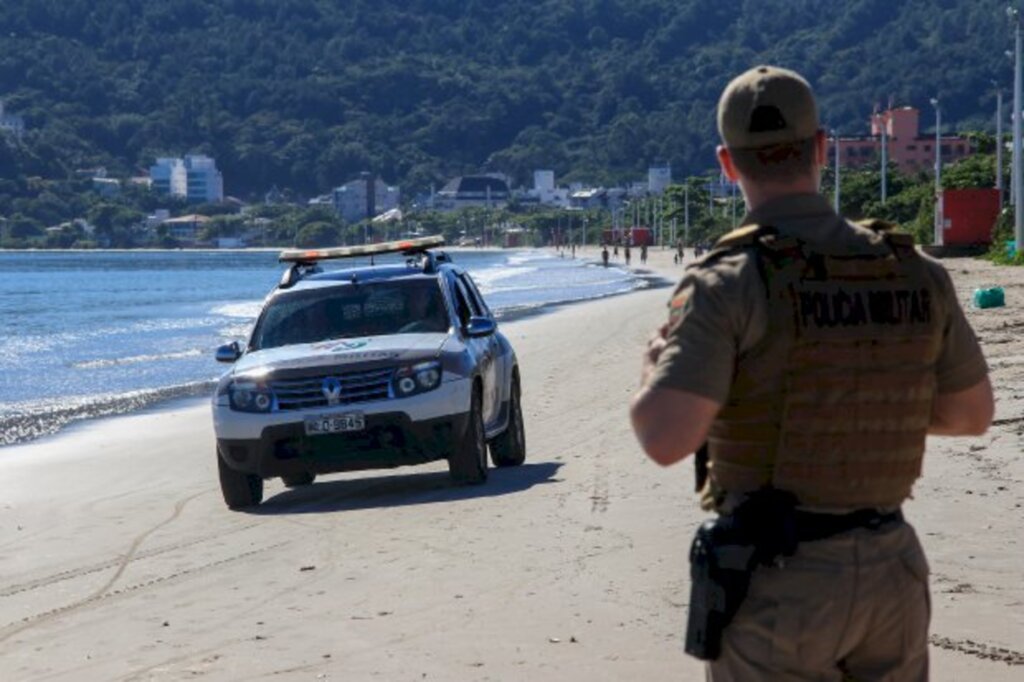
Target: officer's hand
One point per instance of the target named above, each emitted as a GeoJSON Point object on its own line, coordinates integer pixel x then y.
{"type": "Point", "coordinates": [655, 345]}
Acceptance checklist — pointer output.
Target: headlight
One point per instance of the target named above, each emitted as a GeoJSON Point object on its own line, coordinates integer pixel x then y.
{"type": "Point", "coordinates": [248, 396]}
{"type": "Point", "coordinates": [420, 378]}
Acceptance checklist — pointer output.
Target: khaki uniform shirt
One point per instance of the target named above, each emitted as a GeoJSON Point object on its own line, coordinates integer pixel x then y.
{"type": "Point", "coordinates": [719, 310]}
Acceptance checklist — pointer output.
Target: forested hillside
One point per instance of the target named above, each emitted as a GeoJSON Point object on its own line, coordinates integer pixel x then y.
{"type": "Point", "coordinates": [303, 94]}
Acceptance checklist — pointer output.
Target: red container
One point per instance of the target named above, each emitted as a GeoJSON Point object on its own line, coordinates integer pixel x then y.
{"type": "Point", "coordinates": [969, 216]}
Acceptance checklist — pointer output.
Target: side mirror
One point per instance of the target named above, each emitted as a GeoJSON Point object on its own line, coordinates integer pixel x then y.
{"type": "Point", "coordinates": [229, 352]}
{"type": "Point", "coordinates": [480, 326]}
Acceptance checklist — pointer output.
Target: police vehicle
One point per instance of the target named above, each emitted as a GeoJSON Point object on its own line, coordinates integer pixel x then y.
{"type": "Point", "coordinates": [365, 368]}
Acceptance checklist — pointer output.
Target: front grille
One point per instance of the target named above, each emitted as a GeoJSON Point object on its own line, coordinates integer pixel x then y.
{"type": "Point", "coordinates": [308, 392]}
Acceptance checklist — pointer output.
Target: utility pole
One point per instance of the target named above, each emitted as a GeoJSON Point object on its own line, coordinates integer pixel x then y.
{"type": "Point", "coordinates": [938, 172]}
{"type": "Point", "coordinates": [885, 156]}
{"type": "Point", "coordinates": [999, 144]}
{"type": "Point", "coordinates": [835, 193]}
{"type": "Point", "coordinates": [733, 203]}
{"type": "Point", "coordinates": [1018, 178]}
{"type": "Point", "coordinates": [686, 213]}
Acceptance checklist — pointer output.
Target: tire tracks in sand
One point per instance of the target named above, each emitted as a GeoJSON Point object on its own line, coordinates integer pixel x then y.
{"type": "Point", "coordinates": [119, 565]}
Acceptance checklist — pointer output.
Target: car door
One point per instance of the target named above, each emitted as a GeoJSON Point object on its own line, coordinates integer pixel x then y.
{"type": "Point", "coordinates": [479, 347]}
{"type": "Point", "coordinates": [494, 368]}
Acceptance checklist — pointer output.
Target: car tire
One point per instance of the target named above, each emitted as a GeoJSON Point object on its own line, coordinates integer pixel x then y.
{"type": "Point", "coordinates": [467, 464]}
{"type": "Point", "coordinates": [508, 449]}
{"type": "Point", "coordinates": [240, 490]}
{"type": "Point", "coordinates": [298, 480]}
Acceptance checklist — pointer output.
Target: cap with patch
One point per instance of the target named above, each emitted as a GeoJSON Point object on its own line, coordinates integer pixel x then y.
{"type": "Point", "coordinates": [767, 106]}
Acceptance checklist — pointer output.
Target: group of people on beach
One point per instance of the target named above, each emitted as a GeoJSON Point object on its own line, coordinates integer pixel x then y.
{"type": "Point", "coordinates": [626, 253]}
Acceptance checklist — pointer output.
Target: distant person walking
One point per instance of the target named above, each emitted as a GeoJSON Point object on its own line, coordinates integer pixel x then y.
{"type": "Point", "coordinates": [811, 356]}
{"type": "Point", "coordinates": [643, 254]}
{"type": "Point", "coordinates": [626, 254]}
{"type": "Point", "coordinates": [604, 255]}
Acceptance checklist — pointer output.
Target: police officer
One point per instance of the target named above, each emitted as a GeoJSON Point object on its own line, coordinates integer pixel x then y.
{"type": "Point", "coordinates": [812, 355]}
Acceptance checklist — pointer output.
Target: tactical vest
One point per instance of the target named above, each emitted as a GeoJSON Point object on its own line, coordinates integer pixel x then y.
{"type": "Point", "coordinates": [856, 338]}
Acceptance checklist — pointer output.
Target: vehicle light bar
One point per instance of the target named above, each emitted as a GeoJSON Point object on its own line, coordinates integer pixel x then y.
{"type": "Point", "coordinates": [404, 246]}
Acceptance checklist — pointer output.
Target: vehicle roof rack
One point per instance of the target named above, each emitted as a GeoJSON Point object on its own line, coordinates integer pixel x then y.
{"type": "Point", "coordinates": [306, 262]}
{"type": "Point", "coordinates": [407, 247]}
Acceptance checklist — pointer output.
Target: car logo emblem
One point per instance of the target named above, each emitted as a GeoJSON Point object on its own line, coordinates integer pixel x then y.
{"type": "Point", "coordinates": [350, 345]}
{"type": "Point", "coordinates": [332, 390]}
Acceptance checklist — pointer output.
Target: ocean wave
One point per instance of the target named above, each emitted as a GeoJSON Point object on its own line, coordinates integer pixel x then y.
{"type": "Point", "coordinates": [523, 257]}
{"type": "Point", "coordinates": [242, 309]}
{"type": "Point", "coordinates": [29, 421]}
{"type": "Point", "coordinates": [115, 362]}
{"type": "Point", "coordinates": [488, 279]}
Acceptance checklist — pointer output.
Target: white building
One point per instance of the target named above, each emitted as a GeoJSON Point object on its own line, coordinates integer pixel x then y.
{"type": "Point", "coordinates": [11, 123]}
{"type": "Point", "coordinates": [195, 178]}
{"type": "Point", "coordinates": [354, 202]}
{"type": "Point", "coordinates": [658, 178]}
{"type": "Point", "coordinates": [485, 191]}
{"type": "Point", "coordinates": [544, 191]}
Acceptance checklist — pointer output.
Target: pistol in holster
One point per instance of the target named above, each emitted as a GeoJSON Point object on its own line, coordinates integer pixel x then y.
{"type": "Point", "coordinates": [700, 468]}
{"type": "Point", "coordinates": [723, 556]}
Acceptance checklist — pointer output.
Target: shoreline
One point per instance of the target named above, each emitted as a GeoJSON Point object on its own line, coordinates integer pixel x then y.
{"type": "Point", "coordinates": [20, 428]}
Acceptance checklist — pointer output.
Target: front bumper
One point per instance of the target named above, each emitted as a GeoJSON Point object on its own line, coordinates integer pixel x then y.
{"type": "Point", "coordinates": [389, 440]}
{"type": "Point", "coordinates": [412, 430]}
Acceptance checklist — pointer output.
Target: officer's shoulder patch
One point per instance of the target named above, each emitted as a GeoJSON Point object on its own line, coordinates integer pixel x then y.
{"type": "Point", "coordinates": [677, 307]}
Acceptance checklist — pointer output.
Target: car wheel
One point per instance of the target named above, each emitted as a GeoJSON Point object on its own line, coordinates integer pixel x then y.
{"type": "Point", "coordinates": [298, 480]}
{"type": "Point", "coordinates": [240, 490]}
{"type": "Point", "coordinates": [508, 449]}
{"type": "Point", "coordinates": [468, 460]}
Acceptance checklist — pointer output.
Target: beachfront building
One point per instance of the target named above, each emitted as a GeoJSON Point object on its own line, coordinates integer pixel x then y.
{"type": "Point", "coordinates": [194, 178]}
{"type": "Point", "coordinates": [355, 201]}
{"type": "Point", "coordinates": [907, 148]}
{"type": "Point", "coordinates": [11, 124]}
{"type": "Point", "coordinates": [659, 177]}
{"type": "Point", "coordinates": [487, 191]}
{"type": "Point", "coordinates": [186, 228]}
{"type": "Point", "coordinates": [544, 192]}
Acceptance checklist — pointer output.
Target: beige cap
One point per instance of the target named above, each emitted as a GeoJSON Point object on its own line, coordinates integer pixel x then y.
{"type": "Point", "coordinates": [767, 106]}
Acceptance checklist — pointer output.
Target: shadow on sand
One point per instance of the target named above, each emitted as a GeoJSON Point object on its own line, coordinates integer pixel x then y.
{"type": "Point", "coordinates": [402, 490]}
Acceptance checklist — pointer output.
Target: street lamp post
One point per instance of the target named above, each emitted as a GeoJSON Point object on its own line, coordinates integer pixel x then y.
{"type": "Point", "coordinates": [938, 172]}
{"type": "Point", "coordinates": [1018, 179]}
{"type": "Point", "coordinates": [999, 144]}
{"type": "Point", "coordinates": [885, 156]}
{"type": "Point", "coordinates": [835, 193]}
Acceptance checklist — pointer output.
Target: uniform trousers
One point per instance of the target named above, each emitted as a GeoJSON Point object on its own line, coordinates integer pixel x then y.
{"type": "Point", "coordinates": [854, 606]}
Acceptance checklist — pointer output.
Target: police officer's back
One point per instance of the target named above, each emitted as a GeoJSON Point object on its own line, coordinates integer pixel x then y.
{"type": "Point", "coordinates": [813, 356]}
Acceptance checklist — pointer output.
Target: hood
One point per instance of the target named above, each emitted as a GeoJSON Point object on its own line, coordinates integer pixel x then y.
{"type": "Point", "coordinates": [395, 348]}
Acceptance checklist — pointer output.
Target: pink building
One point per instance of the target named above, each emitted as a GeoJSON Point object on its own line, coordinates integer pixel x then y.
{"type": "Point", "coordinates": [908, 149]}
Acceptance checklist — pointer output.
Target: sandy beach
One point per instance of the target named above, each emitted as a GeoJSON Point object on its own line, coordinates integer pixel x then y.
{"type": "Point", "coordinates": [119, 560]}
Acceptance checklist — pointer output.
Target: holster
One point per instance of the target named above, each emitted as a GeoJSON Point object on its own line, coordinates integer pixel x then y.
{"type": "Point", "coordinates": [723, 556]}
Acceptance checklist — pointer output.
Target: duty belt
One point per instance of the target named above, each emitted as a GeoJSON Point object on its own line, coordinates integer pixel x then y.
{"type": "Point", "coordinates": [811, 526]}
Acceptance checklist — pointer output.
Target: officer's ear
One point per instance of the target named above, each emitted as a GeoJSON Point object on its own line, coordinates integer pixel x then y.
{"type": "Point", "coordinates": [725, 161]}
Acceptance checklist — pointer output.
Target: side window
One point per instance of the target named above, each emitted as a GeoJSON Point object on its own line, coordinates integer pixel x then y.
{"type": "Point", "coordinates": [462, 304]}
{"type": "Point", "coordinates": [475, 295]}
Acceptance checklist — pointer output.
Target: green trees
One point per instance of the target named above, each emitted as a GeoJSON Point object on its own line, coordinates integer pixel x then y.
{"type": "Point", "coordinates": [304, 95]}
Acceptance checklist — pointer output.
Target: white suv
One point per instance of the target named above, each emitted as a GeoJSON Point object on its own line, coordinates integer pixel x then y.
{"type": "Point", "coordinates": [367, 368]}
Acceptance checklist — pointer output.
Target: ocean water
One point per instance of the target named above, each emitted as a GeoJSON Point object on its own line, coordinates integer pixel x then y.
{"type": "Point", "coordinates": [88, 334]}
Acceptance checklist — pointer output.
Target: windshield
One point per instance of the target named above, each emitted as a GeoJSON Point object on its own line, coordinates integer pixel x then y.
{"type": "Point", "coordinates": [372, 309]}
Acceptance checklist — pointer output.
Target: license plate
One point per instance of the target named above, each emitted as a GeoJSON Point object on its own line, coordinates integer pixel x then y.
{"type": "Point", "coordinates": [334, 423]}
